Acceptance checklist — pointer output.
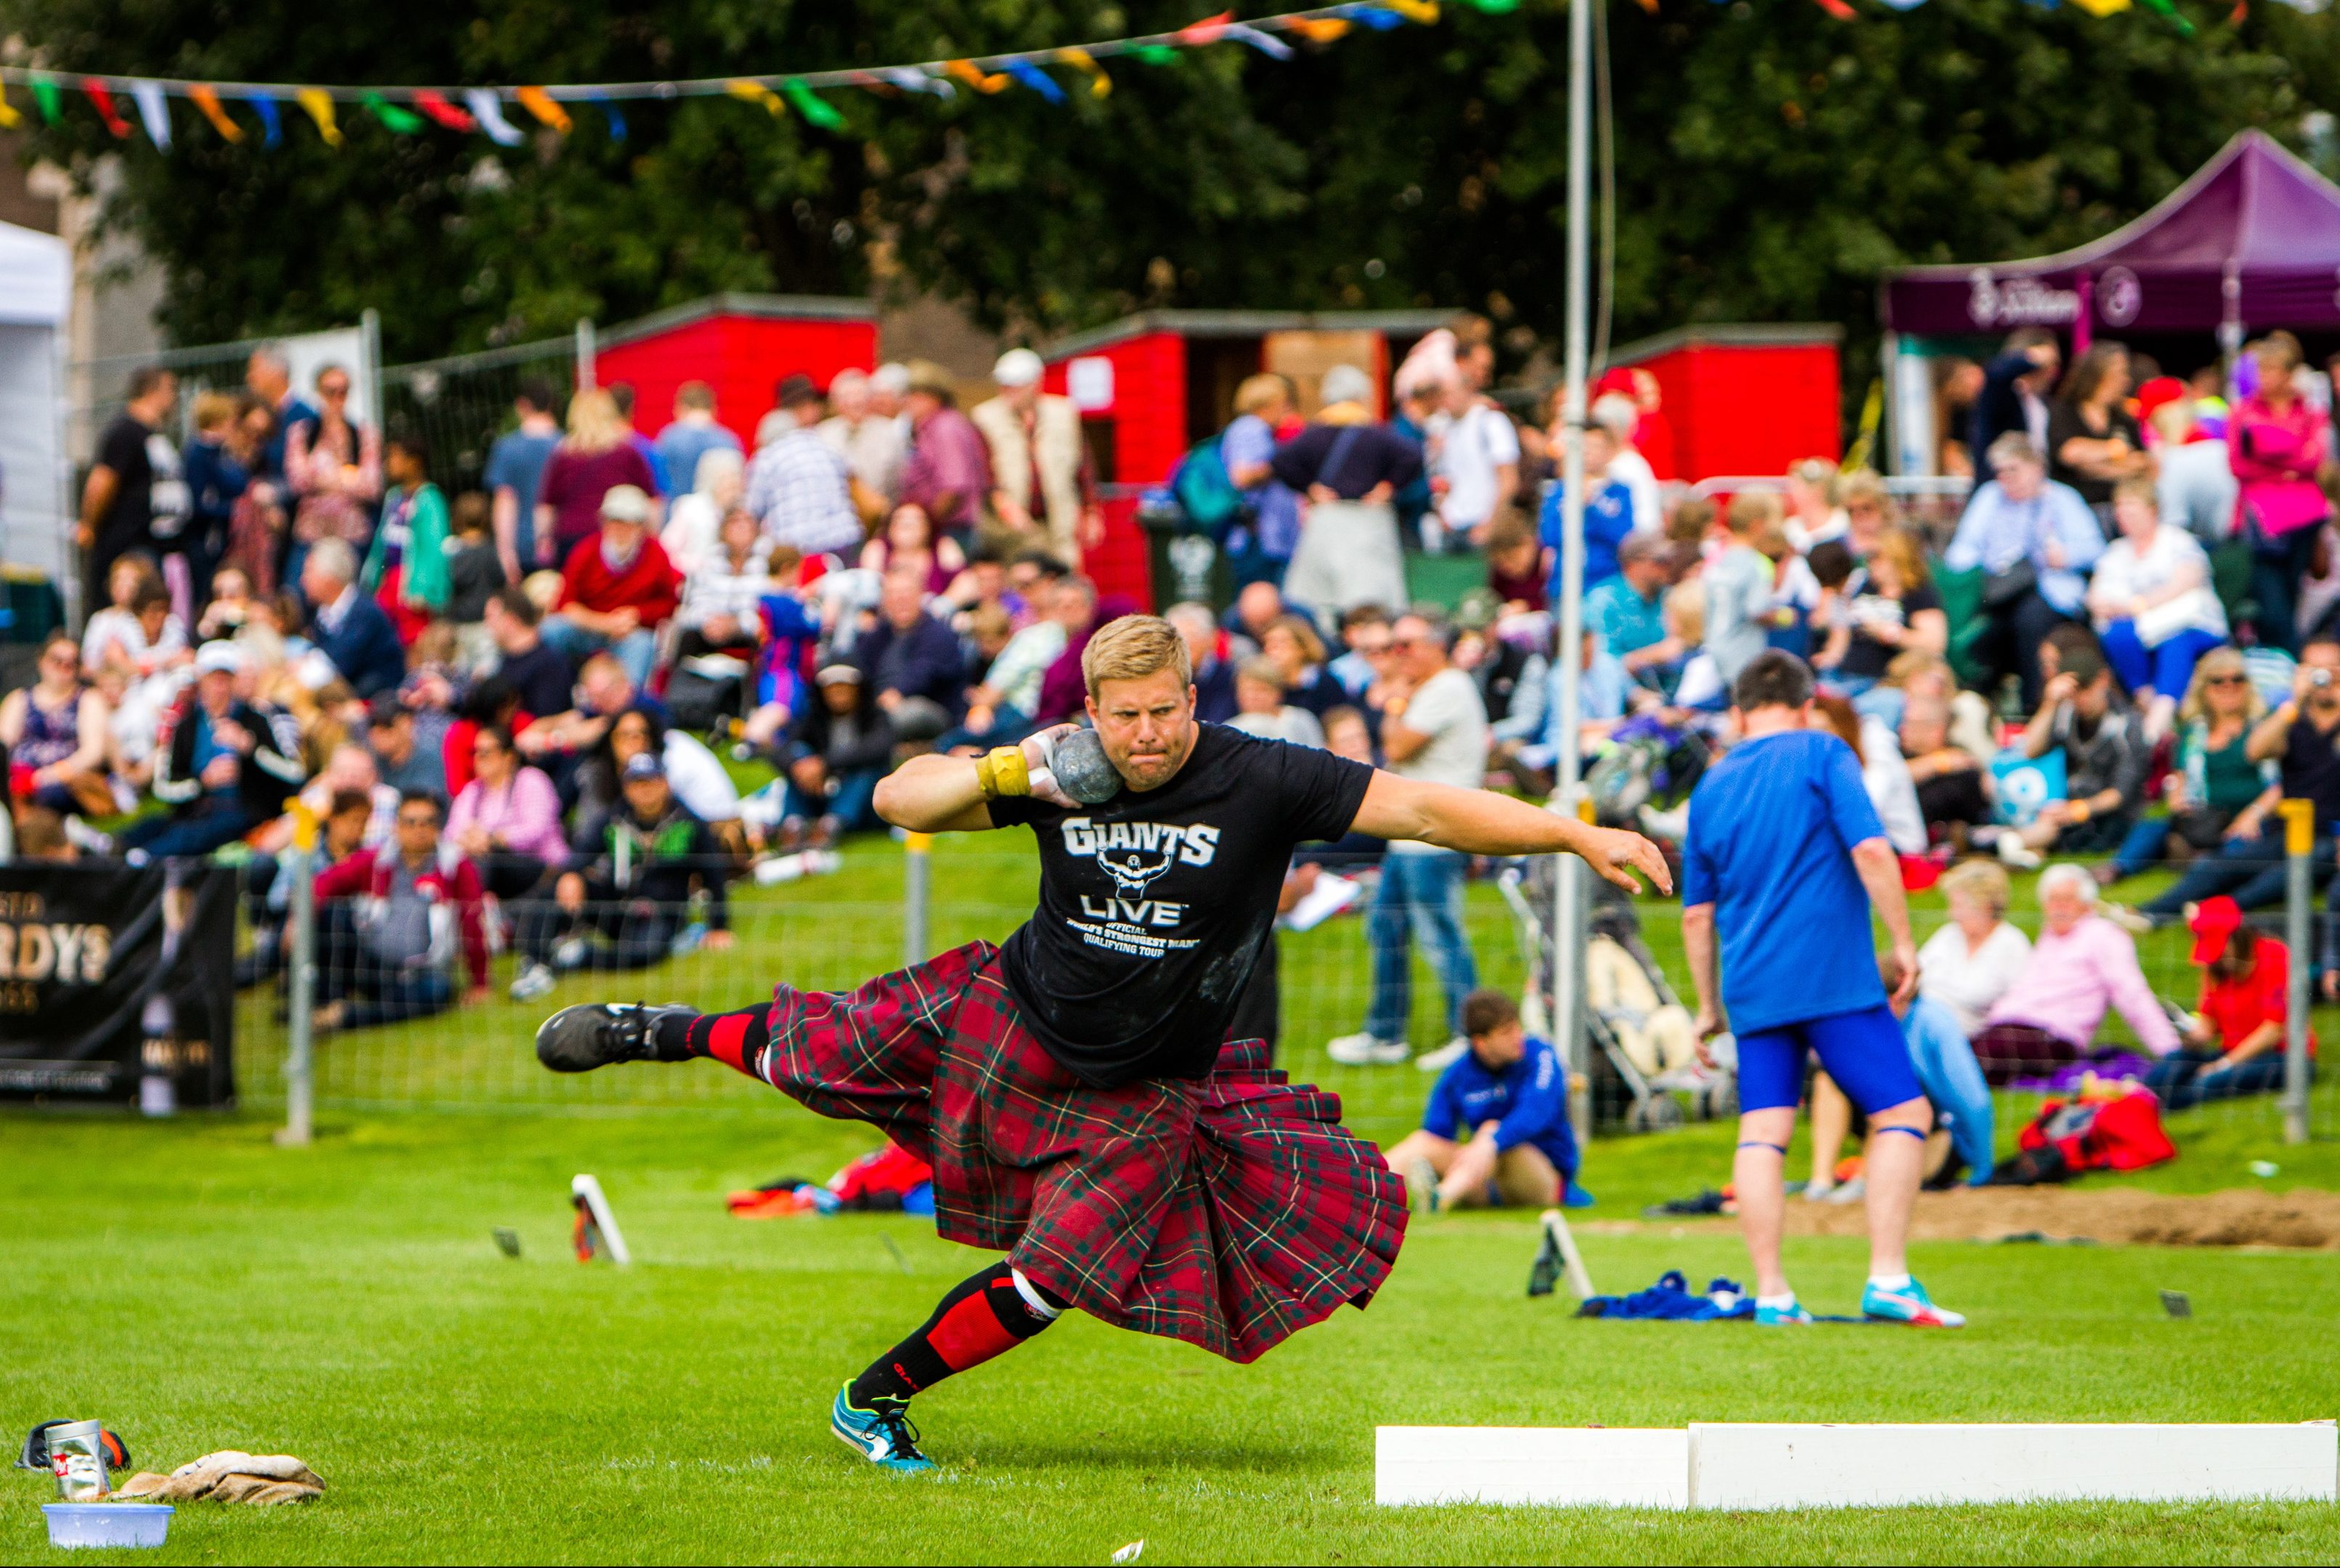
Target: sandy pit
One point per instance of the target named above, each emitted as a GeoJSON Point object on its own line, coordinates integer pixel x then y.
{"type": "Point", "coordinates": [2112, 1216]}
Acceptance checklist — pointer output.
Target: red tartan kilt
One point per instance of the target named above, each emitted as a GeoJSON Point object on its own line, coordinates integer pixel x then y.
{"type": "Point", "coordinates": [1228, 1213]}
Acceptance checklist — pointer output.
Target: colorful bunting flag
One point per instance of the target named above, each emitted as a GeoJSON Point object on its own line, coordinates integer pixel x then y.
{"type": "Point", "coordinates": [153, 113]}
{"type": "Point", "coordinates": [609, 113]}
{"type": "Point", "coordinates": [1425, 12]}
{"type": "Point", "coordinates": [1844, 13]}
{"type": "Point", "coordinates": [968, 72]}
{"type": "Point", "coordinates": [1100, 85]}
{"type": "Point", "coordinates": [436, 105]}
{"type": "Point", "coordinates": [207, 101]}
{"type": "Point", "coordinates": [2102, 8]}
{"type": "Point", "coordinates": [44, 93]}
{"type": "Point", "coordinates": [1158, 54]}
{"type": "Point", "coordinates": [405, 122]}
{"type": "Point", "coordinates": [1320, 29]}
{"type": "Point", "coordinates": [1381, 19]}
{"type": "Point", "coordinates": [817, 110]}
{"type": "Point", "coordinates": [320, 106]}
{"type": "Point", "coordinates": [1039, 81]}
{"type": "Point", "coordinates": [1273, 48]}
{"type": "Point", "coordinates": [488, 109]}
{"type": "Point", "coordinates": [544, 106]}
{"type": "Point", "coordinates": [1194, 35]}
{"type": "Point", "coordinates": [2185, 27]}
{"type": "Point", "coordinates": [915, 81]}
{"type": "Point", "coordinates": [10, 118]}
{"type": "Point", "coordinates": [1504, 8]}
{"type": "Point", "coordinates": [757, 93]}
{"type": "Point", "coordinates": [271, 128]}
{"type": "Point", "coordinates": [103, 100]}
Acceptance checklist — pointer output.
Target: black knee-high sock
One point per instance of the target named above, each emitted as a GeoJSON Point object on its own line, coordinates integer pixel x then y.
{"type": "Point", "coordinates": [981, 1317]}
{"type": "Point", "coordinates": [732, 1038]}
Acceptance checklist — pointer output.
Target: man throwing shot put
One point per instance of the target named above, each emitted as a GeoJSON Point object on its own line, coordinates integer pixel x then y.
{"type": "Point", "coordinates": [1784, 860]}
{"type": "Point", "coordinates": [1077, 1091]}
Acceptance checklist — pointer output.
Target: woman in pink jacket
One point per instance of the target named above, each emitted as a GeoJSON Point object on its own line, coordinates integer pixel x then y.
{"type": "Point", "coordinates": [2276, 442]}
{"type": "Point", "coordinates": [2082, 967]}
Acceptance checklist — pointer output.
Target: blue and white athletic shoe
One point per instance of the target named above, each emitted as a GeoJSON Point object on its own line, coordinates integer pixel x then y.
{"type": "Point", "coordinates": [1909, 1304]}
{"type": "Point", "coordinates": [1782, 1316]}
{"type": "Point", "coordinates": [884, 1436]}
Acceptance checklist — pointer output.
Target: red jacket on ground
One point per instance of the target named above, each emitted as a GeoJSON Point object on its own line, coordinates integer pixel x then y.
{"type": "Point", "coordinates": [451, 880]}
{"type": "Point", "coordinates": [648, 586]}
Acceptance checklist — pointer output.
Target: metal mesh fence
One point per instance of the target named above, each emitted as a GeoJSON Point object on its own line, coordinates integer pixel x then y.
{"type": "Point", "coordinates": [462, 404]}
{"type": "Point", "coordinates": [832, 933]}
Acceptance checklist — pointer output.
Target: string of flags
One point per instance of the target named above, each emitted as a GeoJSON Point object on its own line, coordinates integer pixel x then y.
{"type": "Point", "coordinates": [484, 110]}
{"type": "Point", "coordinates": [489, 111]}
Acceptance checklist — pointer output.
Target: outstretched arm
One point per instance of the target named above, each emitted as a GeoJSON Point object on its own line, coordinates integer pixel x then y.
{"type": "Point", "coordinates": [1480, 822]}
{"type": "Point", "coordinates": [934, 794]}
{"type": "Point", "coordinates": [937, 794]}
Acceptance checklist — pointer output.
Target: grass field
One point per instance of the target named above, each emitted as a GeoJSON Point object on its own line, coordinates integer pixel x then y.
{"type": "Point", "coordinates": [199, 1288]}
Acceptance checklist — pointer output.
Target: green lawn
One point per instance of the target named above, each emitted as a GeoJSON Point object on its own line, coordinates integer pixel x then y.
{"type": "Point", "coordinates": [199, 1288]}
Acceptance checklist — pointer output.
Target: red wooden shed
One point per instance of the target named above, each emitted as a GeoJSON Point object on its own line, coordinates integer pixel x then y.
{"type": "Point", "coordinates": [739, 344]}
{"type": "Point", "coordinates": [1745, 399]}
{"type": "Point", "coordinates": [1150, 386]}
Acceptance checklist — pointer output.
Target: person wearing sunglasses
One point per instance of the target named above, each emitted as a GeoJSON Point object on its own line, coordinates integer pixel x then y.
{"type": "Point", "coordinates": [390, 920]}
{"type": "Point", "coordinates": [2215, 793]}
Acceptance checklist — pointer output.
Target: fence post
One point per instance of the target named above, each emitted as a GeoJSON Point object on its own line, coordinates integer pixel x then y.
{"type": "Point", "coordinates": [299, 1093]}
{"type": "Point", "coordinates": [586, 371]}
{"type": "Point", "coordinates": [1570, 902]}
{"type": "Point", "coordinates": [370, 350]}
{"type": "Point", "coordinates": [917, 895]}
{"type": "Point", "coordinates": [2299, 848]}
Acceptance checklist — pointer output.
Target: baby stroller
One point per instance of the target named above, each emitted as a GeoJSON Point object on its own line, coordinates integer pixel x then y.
{"type": "Point", "coordinates": [1644, 1040]}
{"type": "Point", "coordinates": [1646, 762]}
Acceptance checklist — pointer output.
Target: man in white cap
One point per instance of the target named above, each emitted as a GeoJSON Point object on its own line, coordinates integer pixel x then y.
{"type": "Point", "coordinates": [1040, 474]}
{"type": "Point", "coordinates": [1348, 464]}
{"type": "Point", "coordinates": [616, 591]}
{"type": "Point", "coordinates": [871, 444]}
{"type": "Point", "coordinates": [225, 766]}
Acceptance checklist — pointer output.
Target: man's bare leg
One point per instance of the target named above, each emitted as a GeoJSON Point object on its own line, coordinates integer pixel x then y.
{"type": "Point", "coordinates": [1897, 1164]}
{"type": "Point", "coordinates": [1758, 1175]}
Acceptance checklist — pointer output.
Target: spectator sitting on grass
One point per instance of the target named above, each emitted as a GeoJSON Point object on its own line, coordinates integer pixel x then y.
{"type": "Point", "coordinates": [1514, 565]}
{"type": "Point", "coordinates": [839, 748]}
{"type": "Point", "coordinates": [2151, 598]}
{"type": "Point", "coordinates": [2302, 738]}
{"type": "Point", "coordinates": [721, 597]}
{"type": "Point", "coordinates": [2215, 793]}
{"type": "Point", "coordinates": [1954, 791]}
{"type": "Point", "coordinates": [1507, 1095]}
{"type": "Point", "coordinates": [389, 947]}
{"type": "Point", "coordinates": [2106, 759]}
{"type": "Point", "coordinates": [693, 773]}
{"type": "Point", "coordinates": [1214, 672]}
{"type": "Point", "coordinates": [2234, 1045]}
{"type": "Point", "coordinates": [559, 742]}
{"type": "Point", "coordinates": [616, 589]}
{"type": "Point", "coordinates": [629, 879]}
{"type": "Point", "coordinates": [2081, 966]}
{"type": "Point", "coordinates": [1967, 964]}
{"type": "Point", "coordinates": [1365, 640]}
{"type": "Point", "coordinates": [1626, 612]}
{"type": "Point", "coordinates": [911, 659]}
{"type": "Point", "coordinates": [404, 766]}
{"type": "Point", "coordinates": [1261, 710]}
{"type": "Point", "coordinates": [507, 819]}
{"type": "Point", "coordinates": [999, 708]}
{"type": "Point", "coordinates": [539, 674]}
{"type": "Point", "coordinates": [227, 764]}
{"type": "Point", "coordinates": [351, 629]}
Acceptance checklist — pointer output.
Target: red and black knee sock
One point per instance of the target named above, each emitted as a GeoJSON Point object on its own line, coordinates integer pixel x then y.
{"type": "Point", "coordinates": [731, 1038]}
{"type": "Point", "coordinates": [994, 1311]}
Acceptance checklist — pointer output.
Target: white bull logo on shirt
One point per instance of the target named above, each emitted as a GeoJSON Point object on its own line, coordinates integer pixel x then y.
{"type": "Point", "coordinates": [1136, 854]}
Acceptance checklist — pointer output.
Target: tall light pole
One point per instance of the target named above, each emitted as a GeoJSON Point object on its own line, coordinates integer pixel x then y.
{"type": "Point", "coordinates": [1567, 923]}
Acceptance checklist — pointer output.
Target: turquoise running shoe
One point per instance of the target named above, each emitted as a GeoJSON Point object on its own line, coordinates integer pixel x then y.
{"type": "Point", "coordinates": [1909, 1304]}
{"type": "Point", "coordinates": [883, 1437]}
{"type": "Point", "coordinates": [1782, 1316]}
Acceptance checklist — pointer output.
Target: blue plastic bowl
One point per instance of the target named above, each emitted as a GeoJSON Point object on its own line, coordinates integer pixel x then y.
{"type": "Point", "coordinates": [107, 1523]}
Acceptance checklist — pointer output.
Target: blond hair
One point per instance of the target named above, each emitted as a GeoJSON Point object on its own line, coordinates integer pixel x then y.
{"type": "Point", "coordinates": [1685, 611]}
{"type": "Point", "coordinates": [1981, 879]}
{"type": "Point", "coordinates": [1132, 648]}
{"type": "Point", "coordinates": [2218, 661]}
{"type": "Point", "coordinates": [1258, 392]}
{"type": "Point", "coordinates": [1753, 511]}
{"type": "Point", "coordinates": [1900, 547]}
{"type": "Point", "coordinates": [594, 425]}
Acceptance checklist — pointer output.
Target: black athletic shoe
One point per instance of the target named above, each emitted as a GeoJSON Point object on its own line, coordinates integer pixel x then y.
{"type": "Point", "coordinates": [595, 1034]}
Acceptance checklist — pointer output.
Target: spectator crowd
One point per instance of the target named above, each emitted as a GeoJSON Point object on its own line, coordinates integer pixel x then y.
{"type": "Point", "coordinates": [517, 711]}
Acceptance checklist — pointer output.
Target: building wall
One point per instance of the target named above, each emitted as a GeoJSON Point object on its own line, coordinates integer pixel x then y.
{"type": "Point", "coordinates": [743, 358]}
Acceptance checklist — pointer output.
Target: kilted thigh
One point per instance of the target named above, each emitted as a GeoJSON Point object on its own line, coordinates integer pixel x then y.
{"type": "Point", "coordinates": [1227, 1213]}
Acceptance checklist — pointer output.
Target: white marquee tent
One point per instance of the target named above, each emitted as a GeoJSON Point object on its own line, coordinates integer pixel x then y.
{"type": "Point", "coordinates": [35, 511]}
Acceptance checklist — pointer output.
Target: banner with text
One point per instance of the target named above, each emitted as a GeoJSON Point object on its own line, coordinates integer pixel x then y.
{"type": "Point", "coordinates": [110, 974]}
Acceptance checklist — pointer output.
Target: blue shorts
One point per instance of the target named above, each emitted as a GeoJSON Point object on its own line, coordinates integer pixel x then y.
{"type": "Point", "coordinates": [1862, 1050]}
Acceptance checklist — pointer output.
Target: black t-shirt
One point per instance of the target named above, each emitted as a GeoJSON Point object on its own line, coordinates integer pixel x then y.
{"type": "Point", "coordinates": [1154, 906]}
{"type": "Point", "coordinates": [2065, 423]}
{"type": "Point", "coordinates": [542, 677]}
{"type": "Point", "coordinates": [1865, 655]}
{"type": "Point", "coordinates": [2311, 770]}
{"type": "Point", "coordinates": [121, 448]}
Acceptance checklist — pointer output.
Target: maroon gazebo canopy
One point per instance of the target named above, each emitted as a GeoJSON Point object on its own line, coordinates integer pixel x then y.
{"type": "Point", "coordinates": [2252, 241]}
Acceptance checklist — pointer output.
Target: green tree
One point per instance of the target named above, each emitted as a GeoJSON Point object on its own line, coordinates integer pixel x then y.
{"type": "Point", "coordinates": [1772, 161]}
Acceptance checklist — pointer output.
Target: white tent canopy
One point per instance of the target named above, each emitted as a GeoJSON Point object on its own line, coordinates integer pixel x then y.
{"type": "Point", "coordinates": [36, 510]}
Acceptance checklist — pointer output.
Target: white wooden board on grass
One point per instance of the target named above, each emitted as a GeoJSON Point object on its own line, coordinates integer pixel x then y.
{"type": "Point", "coordinates": [1811, 1465]}
{"type": "Point", "coordinates": [1557, 1466]}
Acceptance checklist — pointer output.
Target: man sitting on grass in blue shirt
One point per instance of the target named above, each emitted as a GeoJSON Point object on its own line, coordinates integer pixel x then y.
{"type": "Point", "coordinates": [1509, 1094]}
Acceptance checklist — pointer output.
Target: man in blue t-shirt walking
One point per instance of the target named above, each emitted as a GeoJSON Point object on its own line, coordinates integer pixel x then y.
{"type": "Point", "coordinates": [1508, 1097]}
{"type": "Point", "coordinates": [1784, 861]}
